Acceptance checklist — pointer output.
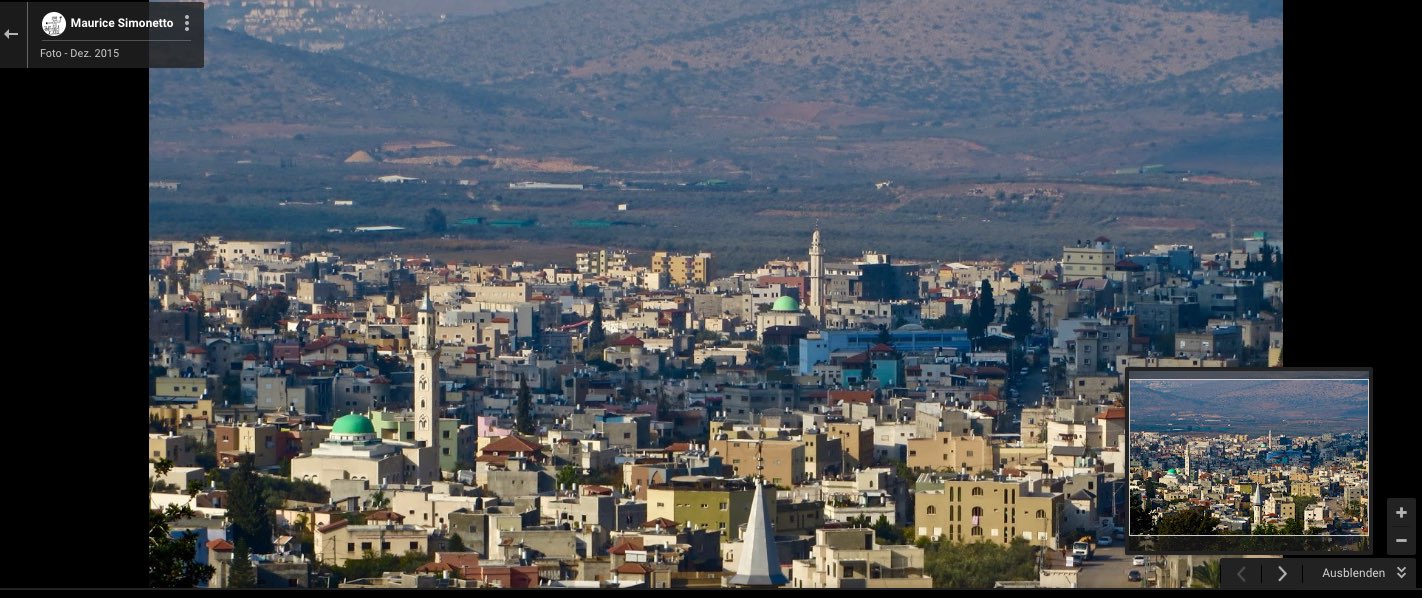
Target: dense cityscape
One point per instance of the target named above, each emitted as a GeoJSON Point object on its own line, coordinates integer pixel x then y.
{"type": "Point", "coordinates": [643, 419]}
{"type": "Point", "coordinates": [1261, 485]}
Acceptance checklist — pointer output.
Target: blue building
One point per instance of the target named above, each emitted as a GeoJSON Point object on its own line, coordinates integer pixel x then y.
{"type": "Point", "coordinates": [907, 339]}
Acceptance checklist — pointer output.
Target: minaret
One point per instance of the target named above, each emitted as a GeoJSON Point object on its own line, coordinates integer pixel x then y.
{"type": "Point", "coordinates": [759, 560]}
{"type": "Point", "coordinates": [1188, 471]}
{"type": "Point", "coordinates": [426, 353]}
{"type": "Point", "coordinates": [817, 279]}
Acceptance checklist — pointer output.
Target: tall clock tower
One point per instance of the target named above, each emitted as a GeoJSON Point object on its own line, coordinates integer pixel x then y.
{"type": "Point", "coordinates": [426, 354]}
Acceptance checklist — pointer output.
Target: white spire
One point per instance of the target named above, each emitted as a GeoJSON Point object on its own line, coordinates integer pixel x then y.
{"type": "Point", "coordinates": [759, 560]}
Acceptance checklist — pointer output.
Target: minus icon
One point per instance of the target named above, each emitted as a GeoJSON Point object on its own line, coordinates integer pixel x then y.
{"type": "Point", "coordinates": [1401, 540]}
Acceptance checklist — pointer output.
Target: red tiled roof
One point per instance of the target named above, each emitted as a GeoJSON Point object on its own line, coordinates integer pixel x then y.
{"type": "Point", "coordinates": [857, 359]}
{"type": "Point", "coordinates": [881, 348]}
{"type": "Point", "coordinates": [1112, 413]}
{"type": "Point", "coordinates": [499, 320]}
{"type": "Point", "coordinates": [332, 526]}
{"type": "Point", "coordinates": [665, 523]}
{"type": "Point", "coordinates": [220, 545]}
{"type": "Point", "coordinates": [434, 568]}
{"type": "Point", "coordinates": [852, 396]}
{"type": "Point", "coordinates": [385, 516]}
{"type": "Point", "coordinates": [626, 544]}
{"type": "Point", "coordinates": [596, 491]}
{"type": "Point", "coordinates": [197, 351]}
{"type": "Point", "coordinates": [633, 569]}
{"type": "Point", "coordinates": [628, 341]}
{"type": "Point", "coordinates": [510, 444]}
{"type": "Point", "coordinates": [678, 447]}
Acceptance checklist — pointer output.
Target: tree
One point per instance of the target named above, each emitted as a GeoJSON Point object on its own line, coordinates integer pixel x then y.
{"type": "Point", "coordinates": [1205, 575]}
{"type": "Point", "coordinates": [978, 564]}
{"type": "Point", "coordinates": [435, 221]}
{"type": "Point", "coordinates": [567, 476]}
{"type": "Point", "coordinates": [884, 336]}
{"type": "Point", "coordinates": [1189, 522]}
{"type": "Point", "coordinates": [596, 335]}
{"type": "Point", "coordinates": [1019, 321]}
{"type": "Point", "coordinates": [976, 323]}
{"type": "Point", "coordinates": [988, 305]}
{"type": "Point", "coordinates": [241, 574]}
{"type": "Point", "coordinates": [247, 507]}
{"type": "Point", "coordinates": [1141, 521]}
{"type": "Point", "coordinates": [886, 533]}
{"type": "Point", "coordinates": [172, 562]}
{"type": "Point", "coordinates": [708, 366]}
{"type": "Point", "coordinates": [523, 418]}
{"type": "Point", "coordinates": [265, 311]}
{"type": "Point", "coordinates": [456, 544]}
{"type": "Point", "coordinates": [378, 501]}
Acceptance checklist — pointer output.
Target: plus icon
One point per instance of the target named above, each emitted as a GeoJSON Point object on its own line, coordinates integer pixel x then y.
{"type": "Point", "coordinates": [1401, 513]}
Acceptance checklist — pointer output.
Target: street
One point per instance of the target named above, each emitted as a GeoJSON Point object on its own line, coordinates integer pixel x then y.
{"type": "Point", "coordinates": [1108, 568]}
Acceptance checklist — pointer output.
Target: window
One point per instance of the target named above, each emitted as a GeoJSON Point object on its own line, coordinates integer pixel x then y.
{"type": "Point", "coordinates": [932, 510]}
{"type": "Point", "coordinates": [446, 433]}
{"type": "Point", "coordinates": [350, 546]}
{"type": "Point", "coordinates": [977, 531]}
{"type": "Point", "coordinates": [723, 506]}
{"type": "Point", "coordinates": [365, 546]}
{"type": "Point", "coordinates": [977, 491]}
{"type": "Point", "coordinates": [414, 546]}
{"type": "Point", "coordinates": [977, 511]}
{"type": "Point", "coordinates": [385, 546]}
{"type": "Point", "coordinates": [1041, 514]}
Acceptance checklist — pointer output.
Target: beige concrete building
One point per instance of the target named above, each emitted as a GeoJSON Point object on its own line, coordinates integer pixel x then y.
{"type": "Point", "coordinates": [340, 541]}
{"type": "Point", "coordinates": [971, 510]}
{"type": "Point", "coordinates": [178, 449]}
{"type": "Point", "coordinates": [683, 269]}
{"type": "Point", "coordinates": [946, 451]}
{"type": "Point", "coordinates": [601, 261]}
{"type": "Point", "coordinates": [848, 558]}
{"type": "Point", "coordinates": [1091, 260]}
{"type": "Point", "coordinates": [784, 460]}
{"type": "Point", "coordinates": [856, 442]}
{"type": "Point", "coordinates": [258, 440]}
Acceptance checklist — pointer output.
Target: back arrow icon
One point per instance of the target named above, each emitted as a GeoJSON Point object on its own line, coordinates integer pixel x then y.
{"type": "Point", "coordinates": [1240, 575]}
{"type": "Point", "coordinates": [9, 34]}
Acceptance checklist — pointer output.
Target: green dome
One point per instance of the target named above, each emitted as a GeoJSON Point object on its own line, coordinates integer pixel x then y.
{"type": "Point", "coordinates": [353, 424]}
{"type": "Point", "coordinates": [786, 303]}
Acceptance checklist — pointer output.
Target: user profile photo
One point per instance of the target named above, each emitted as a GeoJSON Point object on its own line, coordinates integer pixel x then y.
{"type": "Point", "coordinates": [52, 24]}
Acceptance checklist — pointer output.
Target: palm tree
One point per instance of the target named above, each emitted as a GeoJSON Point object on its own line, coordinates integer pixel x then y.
{"type": "Point", "coordinates": [1206, 575]}
{"type": "Point", "coordinates": [378, 501]}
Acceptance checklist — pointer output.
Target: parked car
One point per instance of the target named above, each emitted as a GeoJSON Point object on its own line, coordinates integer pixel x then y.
{"type": "Point", "coordinates": [1138, 560]}
{"type": "Point", "coordinates": [1133, 575]}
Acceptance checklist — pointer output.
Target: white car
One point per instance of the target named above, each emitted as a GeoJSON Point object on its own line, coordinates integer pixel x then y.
{"type": "Point", "coordinates": [1103, 541]}
{"type": "Point", "coordinates": [1138, 560]}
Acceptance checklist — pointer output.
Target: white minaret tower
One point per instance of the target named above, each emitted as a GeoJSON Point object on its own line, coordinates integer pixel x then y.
{"type": "Point", "coordinates": [817, 279]}
{"type": "Point", "coordinates": [426, 353]}
{"type": "Point", "coordinates": [1188, 471]}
